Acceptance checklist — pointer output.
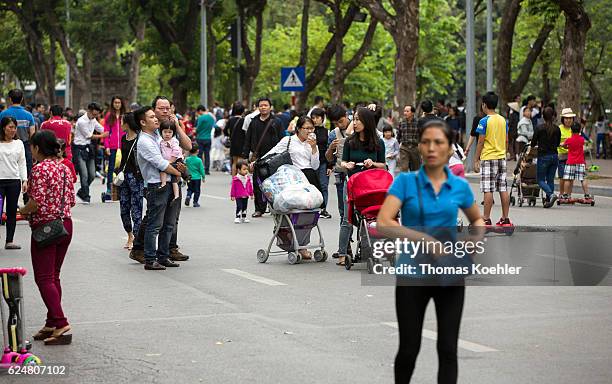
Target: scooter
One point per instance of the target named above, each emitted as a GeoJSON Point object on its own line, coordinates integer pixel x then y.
{"type": "Point", "coordinates": [586, 200]}
{"type": "Point", "coordinates": [16, 347]}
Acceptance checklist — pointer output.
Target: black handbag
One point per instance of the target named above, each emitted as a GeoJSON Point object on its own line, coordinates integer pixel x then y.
{"type": "Point", "coordinates": [52, 232]}
{"type": "Point", "coordinates": [268, 165]}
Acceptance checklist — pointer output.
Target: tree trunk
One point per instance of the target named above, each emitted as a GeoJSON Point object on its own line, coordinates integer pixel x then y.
{"type": "Point", "coordinates": [546, 91]}
{"type": "Point", "coordinates": [403, 27]}
{"type": "Point", "coordinates": [132, 93]}
{"type": "Point", "coordinates": [504, 50]}
{"type": "Point", "coordinates": [577, 24]}
{"type": "Point", "coordinates": [252, 59]}
{"type": "Point", "coordinates": [345, 68]}
{"type": "Point", "coordinates": [179, 92]}
{"type": "Point", "coordinates": [211, 59]}
{"type": "Point", "coordinates": [318, 72]}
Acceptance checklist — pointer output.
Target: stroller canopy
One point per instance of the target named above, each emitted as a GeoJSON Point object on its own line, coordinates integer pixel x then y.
{"type": "Point", "coordinates": [367, 189]}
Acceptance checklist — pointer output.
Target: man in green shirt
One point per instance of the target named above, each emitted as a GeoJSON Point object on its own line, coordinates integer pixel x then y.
{"type": "Point", "coordinates": [204, 127]}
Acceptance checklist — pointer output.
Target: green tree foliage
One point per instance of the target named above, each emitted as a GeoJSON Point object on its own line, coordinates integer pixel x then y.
{"type": "Point", "coordinates": [13, 53]}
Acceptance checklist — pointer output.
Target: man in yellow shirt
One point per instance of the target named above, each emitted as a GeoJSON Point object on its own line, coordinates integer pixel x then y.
{"type": "Point", "coordinates": [491, 158]}
{"type": "Point", "coordinates": [567, 119]}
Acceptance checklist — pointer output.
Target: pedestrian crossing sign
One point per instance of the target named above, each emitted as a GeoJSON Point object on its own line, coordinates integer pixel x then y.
{"type": "Point", "coordinates": [293, 79]}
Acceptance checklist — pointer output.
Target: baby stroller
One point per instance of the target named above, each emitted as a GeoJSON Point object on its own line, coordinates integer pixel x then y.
{"type": "Point", "coordinates": [366, 192]}
{"type": "Point", "coordinates": [525, 182]}
{"type": "Point", "coordinates": [16, 347]}
{"type": "Point", "coordinates": [292, 230]}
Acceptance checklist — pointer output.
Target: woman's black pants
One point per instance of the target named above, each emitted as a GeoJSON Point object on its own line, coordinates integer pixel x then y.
{"type": "Point", "coordinates": [410, 305]}
{"type": "Point", "coordinates": [10, 189]}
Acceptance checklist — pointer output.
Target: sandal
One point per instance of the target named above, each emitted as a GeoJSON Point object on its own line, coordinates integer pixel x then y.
{"type": "Point", "coordinates": [342, 261]}
{"type": "Point", "coordinates": [44, 333]}
{"type": "Point", "coordinates": [306, 255]}
{"type": "Point", "coordinates": [59, 337]}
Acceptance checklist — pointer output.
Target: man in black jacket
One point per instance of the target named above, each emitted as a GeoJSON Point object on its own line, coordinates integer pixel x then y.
{"type": "Point", "coordinates": [263, 133]}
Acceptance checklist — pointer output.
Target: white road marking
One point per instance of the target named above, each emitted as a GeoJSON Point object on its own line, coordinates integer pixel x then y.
{"type": "Point", "coordinates": [253, 277]}
{"type": "Point", "coordinates": [467, 345]}
{"type": "Point", "coordinates": [215, 197]}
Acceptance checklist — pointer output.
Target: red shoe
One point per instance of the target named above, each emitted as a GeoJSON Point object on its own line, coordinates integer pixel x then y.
{"type": "Point", "coordinates": [504, 223]}
{"type": "Point", "coordinates": [488, 222]}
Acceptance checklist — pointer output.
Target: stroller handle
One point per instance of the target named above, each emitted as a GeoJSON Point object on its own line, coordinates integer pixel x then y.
{"type": "Point", "coordinates": [16, 270]}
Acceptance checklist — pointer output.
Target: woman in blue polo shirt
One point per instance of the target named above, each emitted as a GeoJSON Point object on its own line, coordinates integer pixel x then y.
{"type": "Point", "coordinates": [431, 199]}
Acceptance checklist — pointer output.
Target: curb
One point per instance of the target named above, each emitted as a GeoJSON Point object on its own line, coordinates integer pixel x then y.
{"type": "Point", "coordinates": [474, 178]}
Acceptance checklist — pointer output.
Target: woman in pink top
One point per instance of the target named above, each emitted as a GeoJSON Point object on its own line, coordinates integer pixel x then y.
{"type": "Point", "coordinates": [112, 125]}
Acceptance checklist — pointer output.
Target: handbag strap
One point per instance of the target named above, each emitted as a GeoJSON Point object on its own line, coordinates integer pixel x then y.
{"type": "Point", "coordinates": [130, 152]}
{"type": "Point", "coordinates": [419, 192]}
{"type": "Point", "coordinates": [263, 135]}
{"type": "Point", "coordinates": [63, 195]}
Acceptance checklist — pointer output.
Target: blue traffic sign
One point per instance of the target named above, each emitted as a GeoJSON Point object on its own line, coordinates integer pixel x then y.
{"type": "Point", "coordinates": [293, 79]}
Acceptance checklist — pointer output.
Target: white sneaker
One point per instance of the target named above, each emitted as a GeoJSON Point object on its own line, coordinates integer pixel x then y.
{"type": "Point", "coordinates": [237, 220]}
{"type": "Point", "coordinates": [245, 220]}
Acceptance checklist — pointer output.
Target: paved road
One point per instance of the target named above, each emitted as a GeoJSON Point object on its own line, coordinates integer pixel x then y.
{"type": "Point", "coordinates": [309, 323]}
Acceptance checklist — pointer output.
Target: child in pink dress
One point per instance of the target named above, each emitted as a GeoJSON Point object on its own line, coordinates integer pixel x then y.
{"type": "Point", "coordinates": [171, 151]}
{"type": "Point", "coordinates": [242, 189]}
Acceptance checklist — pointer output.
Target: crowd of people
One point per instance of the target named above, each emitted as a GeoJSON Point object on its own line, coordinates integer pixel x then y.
{"type": "Point", "coordinates": [160, 150]}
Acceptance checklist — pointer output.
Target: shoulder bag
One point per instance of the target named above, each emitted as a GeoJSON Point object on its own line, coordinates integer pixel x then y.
{"type": "Point", "coordinates": [268, 165]}
{"type": "Point", "coordinates": [52, 232]}
{"type": "Point", "coordinates": [118, 180]}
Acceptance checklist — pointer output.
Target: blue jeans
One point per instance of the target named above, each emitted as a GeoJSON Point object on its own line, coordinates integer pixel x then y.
{"type": "Point", "coordinates": [110, 170]}
{"type": "Point", "coordinates": [324, 181]}
{"type": "Point", "coordinates": [340, 181]}
{"type": "Point", "coordinates": [130, 202]}
{"type": "Point", "coordinates": [161, 212]}
{"type": "Point", "coordinates": [346, 229]}
{"type": "Point", "coordinates": [546, 167]}
{"type": "Point", "coordinates": [84, 162]}
{"type": "Point", "coordinates": [204, 147]}
{"type": "Point", "coordinates": [601, 139]}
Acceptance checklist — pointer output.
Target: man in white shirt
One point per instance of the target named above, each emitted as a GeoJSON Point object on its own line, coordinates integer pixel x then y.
{"type": "Point", "coordinates": [83, 154]}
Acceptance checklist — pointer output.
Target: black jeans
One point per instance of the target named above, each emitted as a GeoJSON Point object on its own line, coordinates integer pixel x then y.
{"type": "Point", "coordinates": [241, 206]}
{"type": "Point", "coordinates": [410, 305]}
{"type": "Point", "coordinates": [10, 190]}
{"type": "Point", "coordinates": [194, 188]}
{"type": "Point", "coordinates": [260, 200]}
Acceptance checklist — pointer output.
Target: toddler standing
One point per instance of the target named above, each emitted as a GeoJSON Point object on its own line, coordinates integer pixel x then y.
{"type": "Point", "coordinates": [171, 151]}
{"type": "Point", "coordinates": [198, 175]}
{"type": "Point", "coordinates": [242, 189]}
{"type": "Point", "coordinates": [392, 149]}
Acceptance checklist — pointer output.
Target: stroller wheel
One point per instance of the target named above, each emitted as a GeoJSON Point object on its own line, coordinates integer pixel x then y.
{"type": "Point", "coordinates": [348, 262]}
{"type": "Point", "coordinates": [293, 257]}
{"type": "Point", "coordinates": [370, 265]}
{"type": "Point", "coordinates": [320, 256]}
{"type": "Point", "coordinates": [262, 256]}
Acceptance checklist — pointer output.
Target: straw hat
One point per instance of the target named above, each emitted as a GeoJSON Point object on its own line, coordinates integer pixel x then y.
{"type": "Point", "coordinates": [567, 112]}
{"type": "Point", "coordinates": [514, 106]}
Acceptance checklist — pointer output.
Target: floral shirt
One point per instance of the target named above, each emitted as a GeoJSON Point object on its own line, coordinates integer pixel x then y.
{"type": "Point", "coordinates": [45, 187]}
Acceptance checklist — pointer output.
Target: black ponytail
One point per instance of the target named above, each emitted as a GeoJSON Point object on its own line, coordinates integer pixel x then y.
{"type": "Point", "coordinates": [47, 143]}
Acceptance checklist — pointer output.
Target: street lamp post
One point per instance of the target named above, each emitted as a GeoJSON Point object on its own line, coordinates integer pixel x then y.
{"type": "Point", "coordinates": [489, 45]}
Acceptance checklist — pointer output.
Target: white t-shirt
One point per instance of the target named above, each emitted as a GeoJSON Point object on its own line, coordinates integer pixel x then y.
{"type": "Point", "coordinates": [13, 161]}
{"type": "Point", "coordinates": [301, 152]}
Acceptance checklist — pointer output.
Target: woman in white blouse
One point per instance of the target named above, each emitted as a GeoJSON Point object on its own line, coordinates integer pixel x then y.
{"type": "Point", "coordinates": [13, 175]}
{"type": "Point", "coordinates": [303, 149]}
{"type": "Point", "coordinates": [304, 155]}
